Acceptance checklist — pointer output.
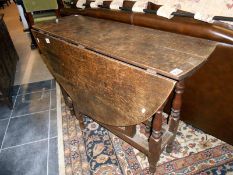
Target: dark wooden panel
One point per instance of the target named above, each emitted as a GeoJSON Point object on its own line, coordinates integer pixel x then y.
{"type": "Point", "coordinates": [111, 92]}
{"type": "Point", "coordinates": [10, 50]}
{"type": "Point", "coordinates": [144, 47]}
{"type": "Point", "coordinates": [208, 98]}
{"type": "Point", "coordinates": [8, 60]}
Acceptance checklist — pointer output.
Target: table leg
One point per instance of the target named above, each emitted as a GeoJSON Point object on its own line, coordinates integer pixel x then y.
{"type": "Point", "coordinates": [155, 141]}
{"type": "Point", "coordinates": [79, 117]}
{"type": "Point", "coordinates": [73, 108]}
{"type": "Point", "coordinates": [68, 101]}
{"type": "Point", "coordinates": [175, 114]}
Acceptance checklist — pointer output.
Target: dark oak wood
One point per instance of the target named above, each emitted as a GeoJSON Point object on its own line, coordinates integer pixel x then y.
{"type": "Point", "coordinates": [208, 97]}
{"type": "Point", "coordinates": [120, 75]}
{"type": "Point", "coordinates": [155, 141]}
{"type": "Point", "coordinates": [136, 141]}
{"type": "Point", "coordinates": [79, 116]}
{"type": "Point", "coordinates": [68, 101]}
{"type": "Point", "coordinates": [8, 61]}
{"type": "Point", "coordinates": [147, 48]}
{"type": "Point", "coordinates": [205, 87]}
{"type": "Point", "coordinates": [129, 131]}
{"type": "Point", "coordinates": [131, 97]}
{"type": "Point", "coordinates": [175, 113]}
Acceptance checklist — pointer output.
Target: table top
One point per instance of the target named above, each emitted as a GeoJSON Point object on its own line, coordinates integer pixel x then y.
{"type": "Point", "coordinates": [172, 55]}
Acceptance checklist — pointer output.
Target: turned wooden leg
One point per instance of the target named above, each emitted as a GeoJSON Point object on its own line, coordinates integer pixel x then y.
{"type": "Point", "coordinates": [68, 101]}
{"type": "Point", "coordinates": [155, 141]}
{"type": "Point", "coordinates": [79, 117]}
{"type": "Point", "coordinates": [175, 114]}
{"type": "Point", "coordinates": [73, 108]}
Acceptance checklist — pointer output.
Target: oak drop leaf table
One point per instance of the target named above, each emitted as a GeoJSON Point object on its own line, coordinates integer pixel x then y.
{"type": "Point", "coordinates": [122, 75]}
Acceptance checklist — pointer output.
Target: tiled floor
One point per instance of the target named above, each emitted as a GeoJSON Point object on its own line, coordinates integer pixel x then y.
{"type": "Point", "coordinates": [30, 67]}
{"type": "Point", "coordinates": [28, 133]}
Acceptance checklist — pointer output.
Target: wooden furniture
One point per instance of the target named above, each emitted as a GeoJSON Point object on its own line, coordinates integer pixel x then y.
{"type": "Point", "coordinates": [8, 61]}
{"type": "Point", "coordinates": [3, 2]}
{"type": "Point", "coordinates": [122, 75]}
{"type": "Point", "coordinates": [70, 3]}
{"type": "Point", "coordinates": [1, 5]}
{"type": "Point", "coordinates": [39, 11]}
{"type": "Point", "coordinates": [208, 98]}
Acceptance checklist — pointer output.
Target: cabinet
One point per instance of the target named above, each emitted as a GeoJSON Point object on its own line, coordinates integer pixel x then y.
{"type": "Point", "coordinates": [8, 61]}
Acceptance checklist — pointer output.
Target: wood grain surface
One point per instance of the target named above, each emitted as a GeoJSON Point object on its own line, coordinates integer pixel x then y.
{"type": "Point", "coordinates": [111, 92]}
{"type": "Point", "coordinates": [144, 47]}
{"type": "Point", "coordinates": [8, 61]}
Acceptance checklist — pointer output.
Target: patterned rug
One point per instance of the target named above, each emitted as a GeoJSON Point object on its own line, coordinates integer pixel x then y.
{"type": "Point", "coordinates": [98, 151]}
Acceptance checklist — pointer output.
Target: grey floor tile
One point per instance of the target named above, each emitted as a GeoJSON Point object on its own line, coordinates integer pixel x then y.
{"type": "Point", "coordinates": [3, 125]}
{"type": "Point", "coordinates": [15, 90]}
{"type": "Point", "coordinates": [53, 99]}
{"type": "Point", "coordinates": [5, 111]}
{"type": "Point", "coordinates": [53, 84]}
{"type": "Point", "coordinates": [29, 159]}
{"type": "Point", "coordinates": [30, 103]}
{"type": "Point", "coordinates": [53, 157]}
{"type": "Point", "coordinates": [26, 129]}
{"type": "Point", "coordinates": [53, 123]}
{"type": "Point", "coordinates": [37, 86]}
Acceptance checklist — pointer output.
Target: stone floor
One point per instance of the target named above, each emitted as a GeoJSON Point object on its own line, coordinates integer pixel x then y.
{"type": "Point", "coordinates": [30, 67]}
{"type": "Point", "coordinates": [28, 133]}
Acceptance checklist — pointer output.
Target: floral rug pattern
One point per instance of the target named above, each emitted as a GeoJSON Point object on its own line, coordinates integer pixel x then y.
{"type": "Point", "coordinates": [98, 151]}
